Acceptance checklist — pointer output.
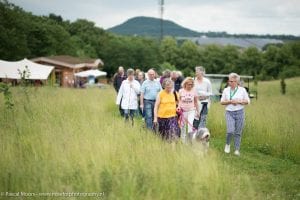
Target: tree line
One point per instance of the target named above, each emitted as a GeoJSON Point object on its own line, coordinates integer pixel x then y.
{"type": "Point", "coordinates": [23, 34]}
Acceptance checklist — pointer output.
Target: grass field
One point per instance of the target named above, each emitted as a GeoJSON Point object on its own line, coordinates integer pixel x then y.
{"type": "Point", "coordinates": [59, 140]}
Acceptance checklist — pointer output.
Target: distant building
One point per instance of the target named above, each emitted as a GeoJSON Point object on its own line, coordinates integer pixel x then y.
{"type": "Point", "coordinates": [239, 42]}
{"type": "Point", "coordinates": [66, 66]}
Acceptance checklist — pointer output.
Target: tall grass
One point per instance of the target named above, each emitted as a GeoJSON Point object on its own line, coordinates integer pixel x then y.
{"type": "Point", "coordinates": [272, 121]}
{"type": "Point", "coordinates": [67, 140]}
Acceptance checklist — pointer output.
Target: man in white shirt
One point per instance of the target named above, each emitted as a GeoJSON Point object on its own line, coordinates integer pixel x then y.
{"type": "Point", "coordinates": [204, 91]}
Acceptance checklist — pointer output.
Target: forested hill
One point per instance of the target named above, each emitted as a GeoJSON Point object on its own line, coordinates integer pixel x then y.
{"type": "Point", "coordinates": [150, 26]}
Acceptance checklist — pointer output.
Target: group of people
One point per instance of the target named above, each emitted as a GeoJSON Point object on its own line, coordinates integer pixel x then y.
{"type": "Point", "coordinates": [171, 104]}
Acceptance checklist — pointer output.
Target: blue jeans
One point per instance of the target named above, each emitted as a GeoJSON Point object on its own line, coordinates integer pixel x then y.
{"type": "Point", "coordinates": [127, 113]}
{"type": "Point", "coordinates": [149, 113]}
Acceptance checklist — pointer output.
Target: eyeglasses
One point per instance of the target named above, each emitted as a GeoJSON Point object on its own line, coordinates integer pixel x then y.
{"type": "Point", "coordinates": [231, 81]}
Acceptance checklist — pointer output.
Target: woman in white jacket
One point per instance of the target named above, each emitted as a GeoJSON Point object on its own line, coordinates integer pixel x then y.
{"type": "Point", "coordinates": [129, 90]}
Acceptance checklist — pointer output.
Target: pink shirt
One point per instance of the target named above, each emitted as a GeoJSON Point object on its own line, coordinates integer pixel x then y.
{"type": "Point", "coordinates": [187, 99]}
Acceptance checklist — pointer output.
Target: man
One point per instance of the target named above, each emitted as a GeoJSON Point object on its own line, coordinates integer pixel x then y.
{"type": "Point", "coordinates": [149, 90]}
{"type": "Point", "coordinates": [119, 77]}
{"type": "Point", "coordinates": [204, 90]}
{"type": "Point", "coordinates": [177, 79]}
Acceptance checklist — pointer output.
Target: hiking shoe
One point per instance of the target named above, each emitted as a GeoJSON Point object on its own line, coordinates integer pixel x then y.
{"type": "Point", "coordinates": [237, 153]}
{"type": "Point", "coordinates": [227, 148]}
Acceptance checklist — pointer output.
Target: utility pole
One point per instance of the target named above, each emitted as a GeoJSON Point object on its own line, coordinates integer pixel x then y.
{"type": "Point", "coordinates": [161, 4]}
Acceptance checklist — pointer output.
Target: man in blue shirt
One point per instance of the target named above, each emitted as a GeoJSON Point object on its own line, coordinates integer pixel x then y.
{"type": "Point", "coordinates": [149, 90]}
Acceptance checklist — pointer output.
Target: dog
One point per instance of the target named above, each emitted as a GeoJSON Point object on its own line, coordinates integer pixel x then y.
{"type": "Point", "coordinates": [200, 138]}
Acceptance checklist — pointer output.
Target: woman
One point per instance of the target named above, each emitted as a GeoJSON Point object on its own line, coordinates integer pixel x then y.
{"type": "Point", "coordinates": [166, 75]}
{"type": "Point", "coordinates": [165, 112]}
{"type": "Point", "coordinates": [128, 92]}
{"type": "Point", "coordinates": [235, 98]}
{"type": "Point", "coordinates": [188, 103]}
{"type": "Point", "coordinates": [140, 77]}
{"type": "Point", "coordinates": [204, 91]}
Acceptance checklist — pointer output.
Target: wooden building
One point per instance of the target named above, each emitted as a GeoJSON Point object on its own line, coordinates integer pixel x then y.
{"type": "Point", "coordinates": [66, 66]}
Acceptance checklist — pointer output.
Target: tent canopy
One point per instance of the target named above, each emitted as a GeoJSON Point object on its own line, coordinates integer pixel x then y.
{"type": "Point", "coordinates": [92, 72]}
{"type": "Point", "coordinates": [11, 70]}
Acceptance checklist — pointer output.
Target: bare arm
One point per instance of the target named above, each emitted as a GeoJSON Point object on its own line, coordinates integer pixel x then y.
{"type": "Point", "coordinates": [234, 102]}
{"type": "Point", "coordinates": [226, 102]}
{"type": "Point", "coordinates": [142, 100]}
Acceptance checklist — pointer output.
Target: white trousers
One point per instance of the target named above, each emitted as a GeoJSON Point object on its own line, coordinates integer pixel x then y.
{"type": "Point", "coordinates": [188, 118]}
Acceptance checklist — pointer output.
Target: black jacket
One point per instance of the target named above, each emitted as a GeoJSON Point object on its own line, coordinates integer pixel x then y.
{"type": "Point", "coordinates": [118, 79]}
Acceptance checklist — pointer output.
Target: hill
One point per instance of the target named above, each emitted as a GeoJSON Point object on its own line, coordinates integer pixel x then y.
{"type": "Point", "coordinates": [149, 26]}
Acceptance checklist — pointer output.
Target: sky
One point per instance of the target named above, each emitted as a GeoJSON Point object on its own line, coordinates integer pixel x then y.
{"type": "Point", "coordinates": [232, 16]}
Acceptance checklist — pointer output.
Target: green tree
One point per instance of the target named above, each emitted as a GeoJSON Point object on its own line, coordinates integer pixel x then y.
{"type": "Point", "coordinates": [165, 66]}
{"type": "Point", "coordinates": [250, 62]}
{"type": "Point", "coordinates": [213, 60]}
{"type": "Point", "coordinates": [270, 65]}
{"type": "Point", "coordinates": [13, 22]}
{"type": "Point", "coordinates": [277, 60]}
{"type": "Point", "coordinates": [230, 55]}
{"type": "Point", "coordinates": [46, 37]}
{"type": "Point", "coordinates": [190, 56]}
{"type": "Point", "coordinates": [89, 39]}
{"type": "Point", "coordinates": [169, 50]}
{"type": "Point", "coordinates": [130, 52]}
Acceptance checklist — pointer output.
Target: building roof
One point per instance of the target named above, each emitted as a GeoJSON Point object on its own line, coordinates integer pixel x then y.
{"type": "Point", "coordinates": [13, 70]}
{"type": "Point", "coordinates": [70, 62]}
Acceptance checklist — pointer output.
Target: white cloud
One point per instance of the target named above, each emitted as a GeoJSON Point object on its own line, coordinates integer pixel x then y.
{"type": "Point", "coordinates": [233, 16]}
{"type": "Point", "coordinates": [264, 17]}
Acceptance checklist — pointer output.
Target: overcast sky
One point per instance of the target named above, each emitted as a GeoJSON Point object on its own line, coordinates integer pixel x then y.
{"type": "Point", "coordinates": [232, 16]}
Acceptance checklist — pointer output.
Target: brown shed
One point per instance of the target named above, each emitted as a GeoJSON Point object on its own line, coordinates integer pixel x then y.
{"type": "Point", "coordinates": [66, 66]}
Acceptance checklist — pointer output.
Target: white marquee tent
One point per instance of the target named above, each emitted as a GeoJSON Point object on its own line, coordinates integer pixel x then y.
{"type": "Point", "coordinates": [92, 72]}
{"type": "Point", "coordinates": [10, 70]}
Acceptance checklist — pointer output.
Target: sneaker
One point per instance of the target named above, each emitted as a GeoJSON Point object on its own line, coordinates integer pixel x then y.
{"type": "Point", "coordinates": [227, 148]}
{"type": "Point", "coordinates": [237, 153]}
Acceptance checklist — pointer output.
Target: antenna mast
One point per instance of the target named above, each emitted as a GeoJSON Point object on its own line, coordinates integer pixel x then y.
{"type": "Point", "coordinates": [161, 4]}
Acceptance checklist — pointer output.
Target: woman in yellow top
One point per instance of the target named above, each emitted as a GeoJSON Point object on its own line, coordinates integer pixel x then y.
{"type": "Point", "coordinates": [165, 112]}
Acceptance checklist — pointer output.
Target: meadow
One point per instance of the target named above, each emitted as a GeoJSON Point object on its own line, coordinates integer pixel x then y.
{"type": "Point", "coordinates": [57, 140]}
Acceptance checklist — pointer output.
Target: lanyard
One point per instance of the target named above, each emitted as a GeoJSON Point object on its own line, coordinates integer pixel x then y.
{"type": "Point", "coordinates": [233, 93]}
